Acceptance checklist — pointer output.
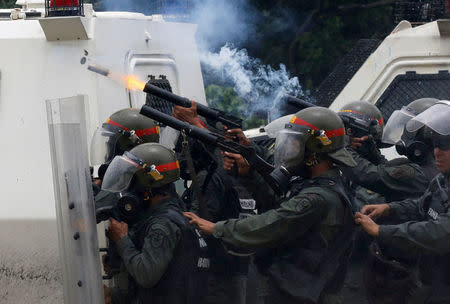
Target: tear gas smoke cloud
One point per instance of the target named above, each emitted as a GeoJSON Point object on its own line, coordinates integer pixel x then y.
{"type": "Point", "coordinates": [221, 25]}
{"type": "Point", "coordinates": [260, 85]}
{"type": "Point", "coordinates": [223, 21]}
{"type": "Point", "coordinates": [226, 23]}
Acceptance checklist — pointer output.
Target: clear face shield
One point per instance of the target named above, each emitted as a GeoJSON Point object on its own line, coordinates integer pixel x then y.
{"type": "Point", "coordinates": [289, 153]}
{"type": "Point", "coordinates": [395, 125]}
{"type": "Point", "coordinates": [290, 146]}
{"type": "Point", "coordinates": [120, 173]}
{"type": "Point", "coordinates": [437, 118]}
{"type": "Point", "coordinates": [105, 140]}
{"type": "Point", "coordinates": [277, 125]}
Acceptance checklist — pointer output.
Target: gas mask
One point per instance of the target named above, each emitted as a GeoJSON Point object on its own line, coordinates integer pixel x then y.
{"type": "Point", "coordinates": [415, 145]}
{"type": "Point", "coordinates": [122, 206]}
{"type": "Point", "coordinates": [289, 154]}
{"type": "Point", "coordinates": [120, 180]}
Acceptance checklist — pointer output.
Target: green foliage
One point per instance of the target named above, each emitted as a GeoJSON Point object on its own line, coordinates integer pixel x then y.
{"type": "Point", "coordinates": [226, 99]}
{"type": "Point", "coordinates": [309, 37]}
{"type": "Point", "coordinates": [319, 35]}
{"type": "Point", "coordinates": [7, 3]}
{"type": "Point", "coordinates": [320, 50]}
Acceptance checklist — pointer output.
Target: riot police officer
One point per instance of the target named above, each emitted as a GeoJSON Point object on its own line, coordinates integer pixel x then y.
{"type": "Point", "coordinates": [425, 227]}
{"type": "Point", "coordinates": [416, 146]}
{"type": "Point", "coordinates": [393, 180]}
{"type": "Point", "coordinates": [309, 235]}
{"type": "Point", "coordinates": [217, 195]}
{"type": "Point", "coordinates": [163, 255]}
{"type": "Point", "coordinates": [375, 180]}
{"type": "Point", "coordinates": [121, 132]}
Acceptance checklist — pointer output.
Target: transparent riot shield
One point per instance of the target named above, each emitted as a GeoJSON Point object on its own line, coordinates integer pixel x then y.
{"type": "Point", "coordinates": [77, 234]}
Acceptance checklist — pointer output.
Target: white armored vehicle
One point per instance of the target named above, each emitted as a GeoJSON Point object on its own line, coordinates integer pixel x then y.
{"type": "Point", "coordinates": [410, 63]}
{"type": "Point", "coordinates": [50, 105]}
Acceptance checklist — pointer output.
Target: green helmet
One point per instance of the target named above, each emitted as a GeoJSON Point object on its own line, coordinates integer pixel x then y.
{"type": "Point", "coordinates": [312, 130]}
{"type": "Point", "coordinates": [395, 126]}
{"type": "Point", "coordinates": [152, 164]}
{"type": "Point", "coordinates": [122, 131]}
{"type": "Point", "coordinates": [363, 111]}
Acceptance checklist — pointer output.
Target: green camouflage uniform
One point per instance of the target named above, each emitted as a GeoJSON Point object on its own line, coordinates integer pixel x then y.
{"type": "Point", "coordinates": [396, 182]}
{"type": "Point", "coordinates": [424, 231]}
{"type": "Point", "coordinates": [378, 184]}
{"type": "Point", "coordinates": [308, 226]}
{"type": "Point", "coordinates": [147, 266]}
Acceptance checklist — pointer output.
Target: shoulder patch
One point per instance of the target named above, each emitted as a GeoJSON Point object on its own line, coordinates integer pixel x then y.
{"type": "Point", "coordinates": [402, 172]}
{"type": "Point", "coordinates": [159, 235]}
{"type": "Point", "coordinates": [305, 201]}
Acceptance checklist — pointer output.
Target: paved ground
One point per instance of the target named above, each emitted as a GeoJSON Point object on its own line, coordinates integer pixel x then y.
{"type": "Point", "coordinates": [29, 262]}
{"type": "Point", "coordinates": [30, 268]}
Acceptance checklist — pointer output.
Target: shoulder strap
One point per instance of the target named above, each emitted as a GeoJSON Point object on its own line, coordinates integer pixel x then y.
{"type": "Point", "coordinates": [334, 186]}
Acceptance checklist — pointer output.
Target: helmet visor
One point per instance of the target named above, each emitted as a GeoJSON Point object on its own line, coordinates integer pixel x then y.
{"type": "Point", "coordinates": [103, 144]}
{"type": "Point", "coordinates": [395, 125]}
{"type": "Point", "coordinates": [290, 147]}
{"type": "Point", "coordinates": [277, 125]}
{"type": "Point", "coordinates": [436, 118]}
{"type": "Point", "coordinates": [119, 174]}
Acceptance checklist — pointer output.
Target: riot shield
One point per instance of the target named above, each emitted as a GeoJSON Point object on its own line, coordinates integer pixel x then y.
{"type": "Point", "coordinates": [77, 233]}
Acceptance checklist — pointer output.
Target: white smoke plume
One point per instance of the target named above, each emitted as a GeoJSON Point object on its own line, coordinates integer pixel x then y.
{"type": "Point", "coordinates": [260, 85]}
{"type": "Point", "coordinates": [221, 25]}
{"type": "Point", "coordinates": [223, 21]}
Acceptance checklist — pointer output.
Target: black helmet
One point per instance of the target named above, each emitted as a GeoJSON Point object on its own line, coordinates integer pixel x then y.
{"type": "Point", "coordinates": [398, 119]}
{"type": "Point", "coordinates": [122, 131]}
{"type": "Point", "coordinates": [366, 114]}
{"type": "Point", "coordinates": [435, 118]}
{"type": "Point", "coordinates": [415, 145]}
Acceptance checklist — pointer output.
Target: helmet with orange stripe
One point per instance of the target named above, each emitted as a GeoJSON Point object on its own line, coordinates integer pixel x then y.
{"type": "Point", "coordinates": [121, 132]}
{"type": "Point", "coordinates": [311, 133]}
{"type": "Point", "coordinates": [135, 177]}
{"type": "Point", "coordinates": [151, 165]}
{"type": "Point", "coordinates": [365, 112]}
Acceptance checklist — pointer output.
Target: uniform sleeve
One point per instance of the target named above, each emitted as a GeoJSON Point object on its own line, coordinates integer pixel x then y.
{"type": "Point", "coordinates": [148, 265]}
{"type": "Point", "coordinates": [292, 219]}
{"type": "Point", "coordinates": [390, 181]}
{"type": "Point", "coordinates": [432, 236]}
{"type": "Point", "coordinates": [406, 210]}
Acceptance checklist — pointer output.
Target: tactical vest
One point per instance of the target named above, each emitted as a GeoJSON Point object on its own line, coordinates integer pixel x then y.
{"type": "Point", "coordinates": [227, 259]}
{"type": "Point", "coordinates": [247, 204]}
{"type": "Point", "coordinates": [308, 266]}
{"type": "Point", "coordinates": [435, 269]}
{"type": "Point", "coordinates": [185, 278]}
